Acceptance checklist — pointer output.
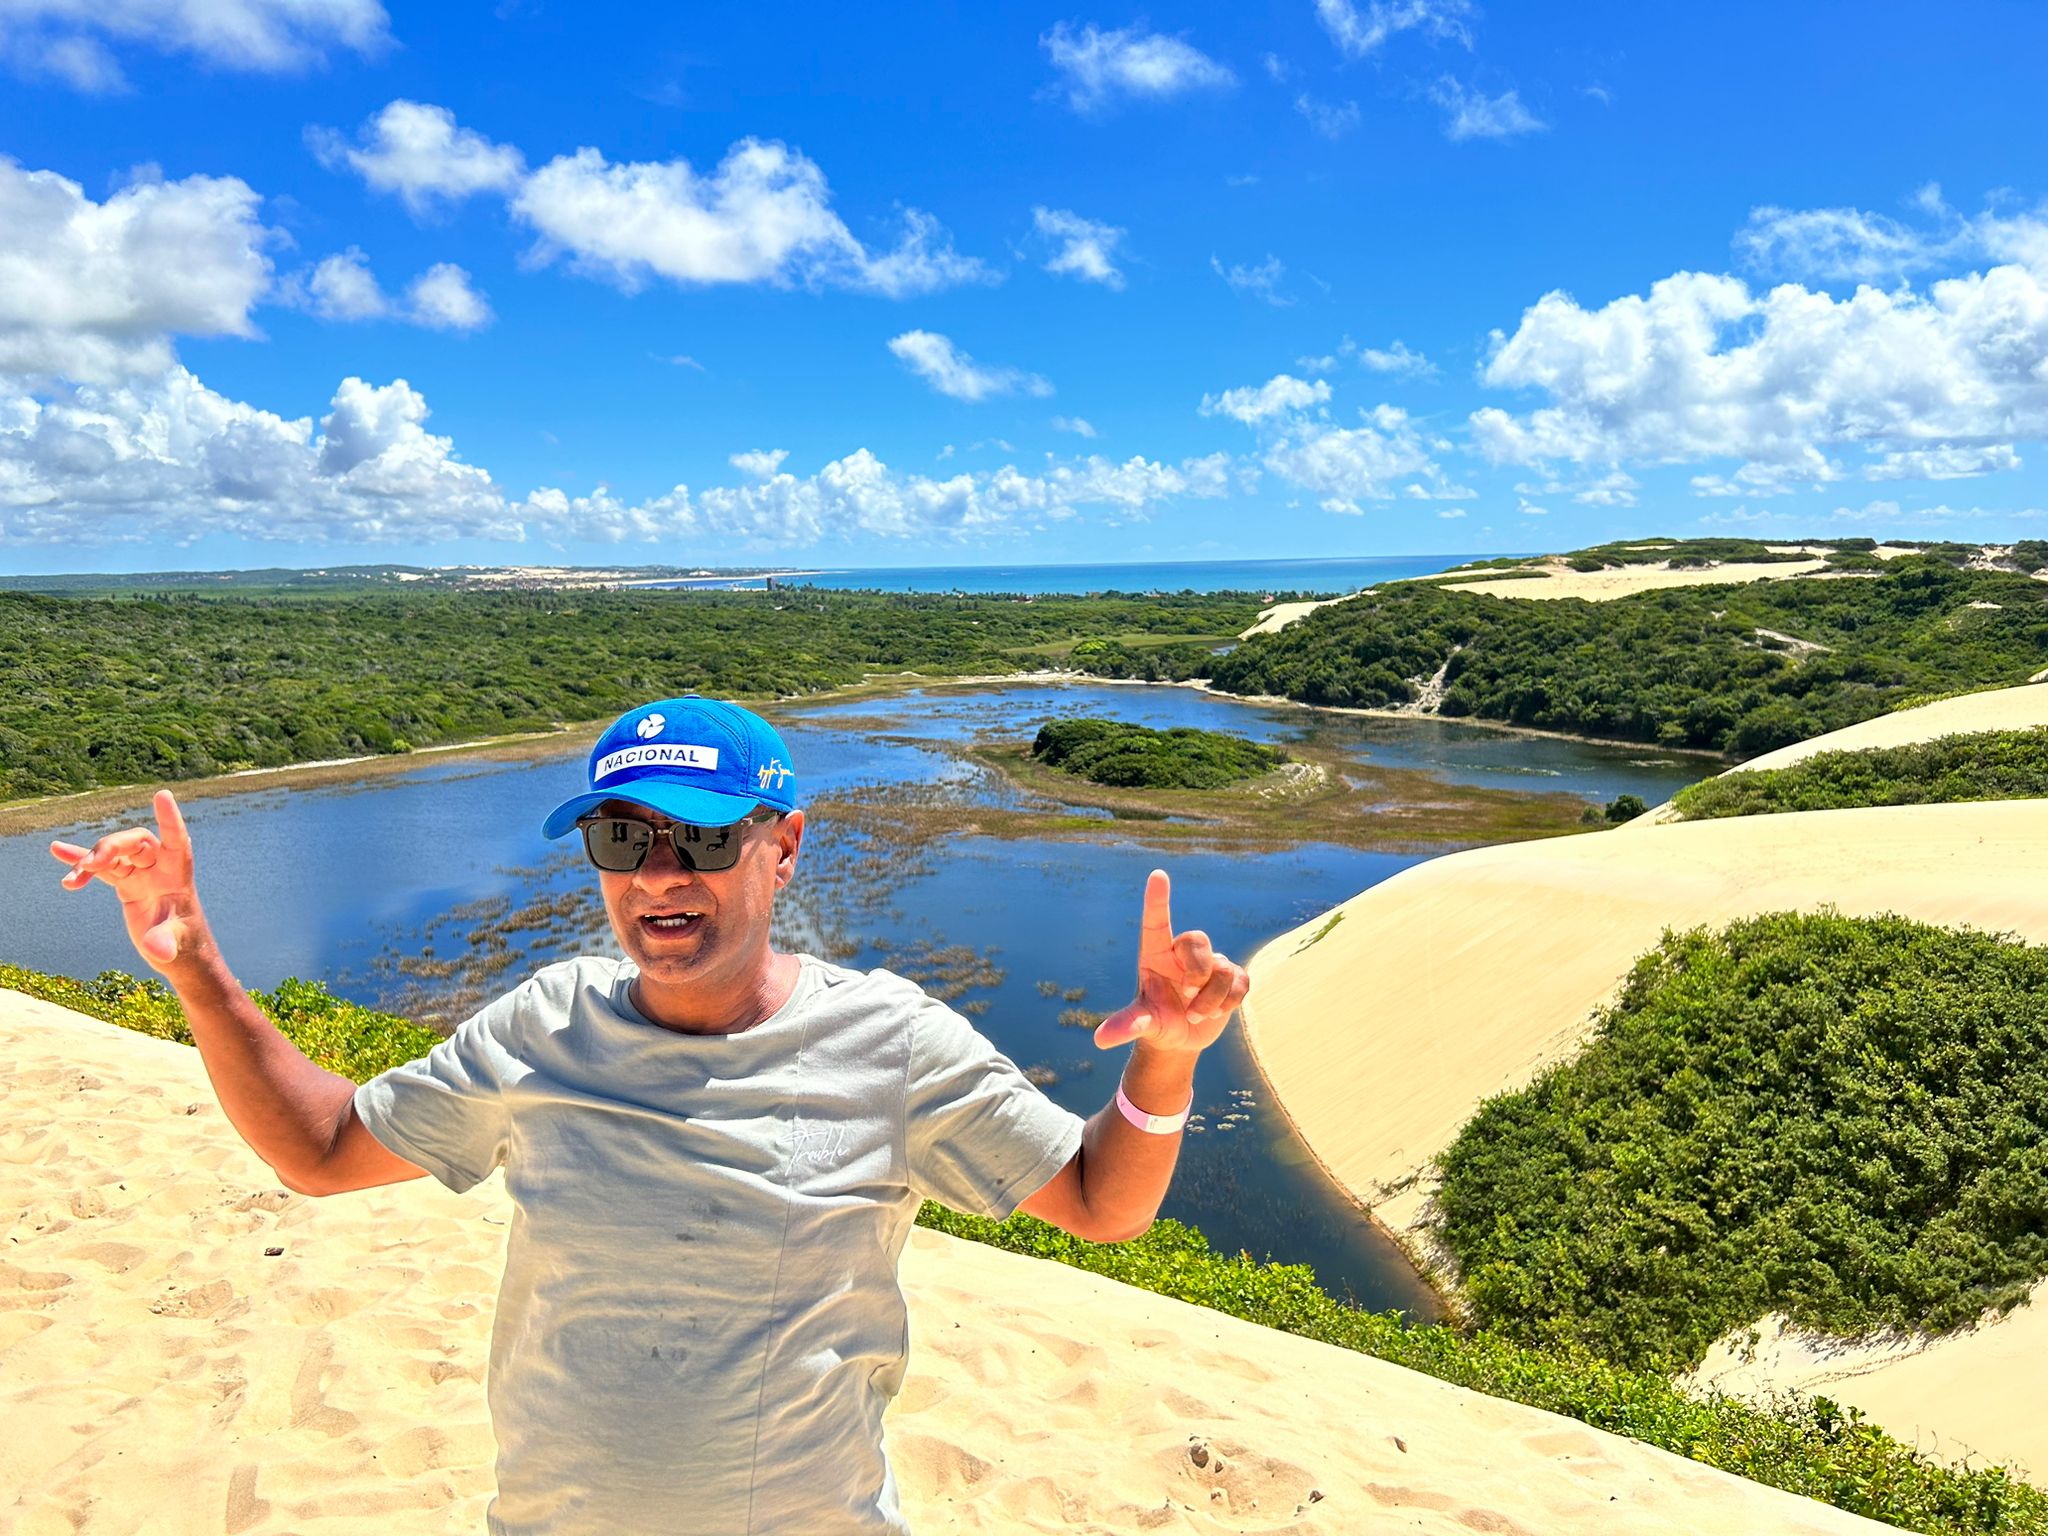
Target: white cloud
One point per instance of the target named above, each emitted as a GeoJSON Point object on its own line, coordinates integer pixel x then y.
{"type": "Point", "coordinates": [1331, 121]}
{"type": "Point", "coordinates": [1096, 67]}
{"type": "Point", "coordinates": [1703, 368]}
{"type": "Point", "coordinates": [1262, 280]}
{"type": "Point", "coordinates": [1087, 249]}
{"type": "Point", "coordinates": [1361, 33]}
{"type": "Point", "coordinates": [1079, 426]}
{"type": "Point", "coordinates": [1452, 512]}
{"type": "Point", "coordinates": [1395, 359]}
{"type": "Point", "coordinates": [167, 458]}
{"type": "Point", "coordinates": [342, 287]}
{"type": "Point", "coordinates": [1471, 114]}
{"type": "Point", "coordinates": [1944, 462]}
{"type": "Point", "coordinates": [950, 371]}
{"type": "Point", "coordinates": [759, 463]}
{"type": "Point", "coordinates": [421, 154]}
{"type": "Point", "coordinates": [1283, 394]}
{"type": "Point", "coordinates": [1530, 509]}
{"type": "Point", "coordinates": [1833, 244]}
{"type": "Point", "coordinates": [441, 297]}
{"type": "Point", "coordinates": [93, 291]}
{"type": "Point", "coordinates": [69, 39]}
{"type": "Point", "coordinates": [764, 215]}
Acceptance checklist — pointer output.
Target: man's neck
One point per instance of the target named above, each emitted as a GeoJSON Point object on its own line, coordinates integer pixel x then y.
{"type": "Point", "coordinates": [693, 1009]}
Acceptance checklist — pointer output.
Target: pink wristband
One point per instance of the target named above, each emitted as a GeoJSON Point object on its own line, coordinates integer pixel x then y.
{"type": "Point", "coordinates": [1158, 1125]}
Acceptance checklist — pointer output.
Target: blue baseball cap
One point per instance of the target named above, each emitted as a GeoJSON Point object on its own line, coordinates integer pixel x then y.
{"type": "Point", "coordinates": [691, 759]}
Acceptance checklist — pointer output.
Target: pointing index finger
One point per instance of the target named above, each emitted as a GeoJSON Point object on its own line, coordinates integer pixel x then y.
{"type": "Point", "coordinates": [171, 822]}
{"type": "Point", "coordinates": [1155, 928]}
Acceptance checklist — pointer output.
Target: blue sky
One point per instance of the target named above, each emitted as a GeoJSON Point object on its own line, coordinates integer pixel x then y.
{"type": "Point", "coordinates": [317, 284]}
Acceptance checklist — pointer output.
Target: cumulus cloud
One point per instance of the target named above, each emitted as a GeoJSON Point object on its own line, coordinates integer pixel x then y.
{"type": "Point", "coordinates": [1079, 426]}
{"type": "Point", "coordinates": [1345, 466]}
{"type": "Point", "coordinates": [1262, 280]}
{"type": "Point", "coordinates": [1472, 114]}
{"type": "Point", "coordinates": [764, 215]}
{"type": "Point", "coordinates": [950, 371]}
{"type": "Point", "coordinates": [420, 154]}
{"type": "Point", "coordinates": [1395, 359]}
{"type": "Point", "coordinates": [1362, 32]}
{"type": "Point", "coordinates": [1833, 243]}
{"type": "Point", "coordinates": [93, 290]}
{"type": "Point", "coordinates": [1086, 248]}
{"type": "Point", "coordinates": [1098, 67]}
{"type": "Point", "coordinates": [1942, 381]}
{"type": "Point", "coordinates": [342, 287]}
{"type": "Point", "coordinates": [1278, 396]}
{"type": "Point", "coordinates": [1331, 121]}
{"type": "Point", "coordinates": [74, 41]}
{"type": "Point", "coordinates": [166, 457]}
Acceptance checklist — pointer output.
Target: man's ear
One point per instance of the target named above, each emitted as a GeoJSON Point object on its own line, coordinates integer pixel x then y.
{"type": "Point", "coordinates": [789, 838]}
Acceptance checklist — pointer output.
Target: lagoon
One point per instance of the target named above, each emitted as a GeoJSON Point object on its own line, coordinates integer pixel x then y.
{"type": "Point", "coordinates": [389, 888]}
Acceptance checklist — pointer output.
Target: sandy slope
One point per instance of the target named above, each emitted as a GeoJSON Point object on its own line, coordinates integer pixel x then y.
{"type": "Point", "coordinates": [161, 1370]}
{"type": "Point", "coordinates": [1276, 618]}
{"type": "Point", "coordinates": [1625, 581]}
{"type": "Point", "coordinates": [2020, 708]}
{"type": "Point", "coordinates": [1460, 978]}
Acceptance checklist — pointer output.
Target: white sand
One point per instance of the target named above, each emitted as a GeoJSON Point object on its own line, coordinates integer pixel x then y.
{"type": "Point", "coordinates": [1561, 580]}
{"type": "Point", "coordinates": [1276, 618]}
{"type": "Point", "coordinates": [2020, 708]}
{"type": "Point", "coordinates": [160, 1373]}
{"type": "Point", "coordinates": [1463, 977]}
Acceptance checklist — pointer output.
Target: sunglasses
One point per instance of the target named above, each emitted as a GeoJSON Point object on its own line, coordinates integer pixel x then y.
{"type": "Point", "coordinates": [620, 844]}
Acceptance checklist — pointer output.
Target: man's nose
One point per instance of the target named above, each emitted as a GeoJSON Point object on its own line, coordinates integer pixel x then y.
{"type": "Point", "coordinates": [662, 868]}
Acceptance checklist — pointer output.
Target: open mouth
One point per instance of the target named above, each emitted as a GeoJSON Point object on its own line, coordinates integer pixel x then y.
{"type": "Point", "coordinates": [672, 923]}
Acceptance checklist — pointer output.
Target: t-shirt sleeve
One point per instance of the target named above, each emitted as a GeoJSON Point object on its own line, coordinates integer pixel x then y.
{"type": "Point", "coordinates": [982, 1138]}
{"type": "Point", "coordinates": [446, 1110]}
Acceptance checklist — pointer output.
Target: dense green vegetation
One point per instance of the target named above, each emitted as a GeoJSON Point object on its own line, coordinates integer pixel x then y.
{"type": "Point", "coordinates": [1845, 1120]}
{"type": "Point", "coordinates": [1809, 1447]}
{"type": "Point", "coordinates": [1982, 765]}
{"type": "Point", "coordinates": [1682, 667]}
{"type": "Point", "coordinates": [135, 690]}
{"type": "Point", "coordinates": [1127, 756]}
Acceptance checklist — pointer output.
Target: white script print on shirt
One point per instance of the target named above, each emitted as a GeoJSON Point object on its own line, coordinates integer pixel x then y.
{"type": "Point", "coordinates": [819, 1146]}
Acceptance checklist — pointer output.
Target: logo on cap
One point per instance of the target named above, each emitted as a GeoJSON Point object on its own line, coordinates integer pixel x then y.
{"type": "Point", "coordinates": [773, 769]}
{"type": "Point", "coordinates": [650, 727]}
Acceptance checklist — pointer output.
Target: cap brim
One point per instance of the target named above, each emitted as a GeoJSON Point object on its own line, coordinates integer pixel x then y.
{"type": "Point", "coordinates": [678, 802]}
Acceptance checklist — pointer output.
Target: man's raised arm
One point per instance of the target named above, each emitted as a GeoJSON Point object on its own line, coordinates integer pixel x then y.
{"type": "Point", "coordinates": [1187, 992]}
{"type": "Point", "coordinates": [298, 1117]}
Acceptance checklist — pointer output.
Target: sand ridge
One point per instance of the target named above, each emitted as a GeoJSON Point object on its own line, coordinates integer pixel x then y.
{"type": "Point", "coordinates": [1603, 586]}
{"type": "Point", "coordinates": [1463, 977]}
{"type": "Point", "coordinates": [2020, 708]}
{"type": "Point", "coordinates": [185, 1347]}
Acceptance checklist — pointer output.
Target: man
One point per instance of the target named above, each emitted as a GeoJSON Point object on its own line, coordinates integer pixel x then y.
{"type": "Point", "coordinates": [714, 1150]}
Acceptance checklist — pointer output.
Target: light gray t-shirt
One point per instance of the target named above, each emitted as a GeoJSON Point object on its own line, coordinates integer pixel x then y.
{"type": "Point", "coordinates": [700, 1324]}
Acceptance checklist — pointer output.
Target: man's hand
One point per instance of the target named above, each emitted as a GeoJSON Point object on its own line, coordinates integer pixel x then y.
{"type": "Point", "coordinates": [151, 872]}
{"type": "Point", "coordinates": [1186, 991]}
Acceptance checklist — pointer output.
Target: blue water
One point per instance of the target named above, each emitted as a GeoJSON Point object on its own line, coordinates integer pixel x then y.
{"type": "Point", "coordinates": [1327, 577]}
{"type": "Point", "coordinates": [322, 881]}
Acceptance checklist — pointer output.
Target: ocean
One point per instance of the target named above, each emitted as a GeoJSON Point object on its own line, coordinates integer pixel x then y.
{"type": "Point", "coordinates": [1323, 577]}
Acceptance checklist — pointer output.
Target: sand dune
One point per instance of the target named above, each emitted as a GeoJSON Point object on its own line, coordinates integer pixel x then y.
{"type": "Point", "coordinates": [2020, 708]}
{"type": "Point", "coordinates": [1463, 977]}
{"type": "Point", "coordinates": [1625, 581]}
{"type": "Point", "coordinates": [1276, 618]}
{"type": "Point", "coordinates": [187, 1348]}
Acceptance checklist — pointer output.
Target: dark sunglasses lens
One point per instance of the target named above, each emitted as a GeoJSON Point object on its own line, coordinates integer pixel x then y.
{"type": "Point", "coordinates": [618, 844]}
{"type": "Point", "coordinates": [707, 848]}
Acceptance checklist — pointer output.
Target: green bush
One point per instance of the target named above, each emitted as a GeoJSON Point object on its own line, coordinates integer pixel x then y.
{"type": "Point", "coordinates": [1980, 765]}
{"type": "Point", "coordinates": [1126, 756]}
{"type": "Point", "coordinates": [1808, 1447]}
{"type": "Point", "coordinates": [1839, 1119]}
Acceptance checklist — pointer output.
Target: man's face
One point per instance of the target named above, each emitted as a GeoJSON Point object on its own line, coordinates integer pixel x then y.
{"type": "Point", "coordinates": [704, 930]}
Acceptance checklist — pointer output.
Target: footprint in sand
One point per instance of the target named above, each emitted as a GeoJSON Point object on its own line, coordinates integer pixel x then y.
{"type": "Point", "coordinates": [1239, 1489]}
